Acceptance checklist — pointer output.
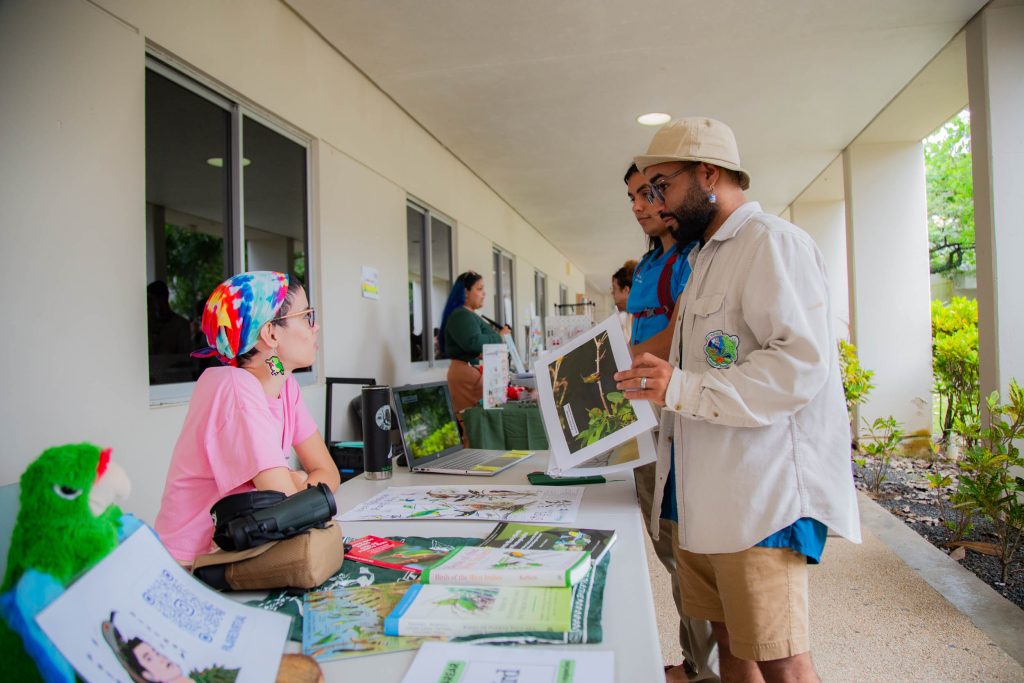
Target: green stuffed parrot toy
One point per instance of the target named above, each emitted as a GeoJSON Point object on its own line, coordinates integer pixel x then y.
{"type": "Point", "coordinates": [66, 524]}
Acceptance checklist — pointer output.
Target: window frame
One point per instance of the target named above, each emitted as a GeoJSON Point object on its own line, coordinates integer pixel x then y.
{"type": "Point", "coordinates": [427, 275]}
{"type": "Point", "coordinates": [540, 299]}
{"type": "Point", "coordinates": [497, 254]}
{"type": "Point", "coordinates": [238, 108]}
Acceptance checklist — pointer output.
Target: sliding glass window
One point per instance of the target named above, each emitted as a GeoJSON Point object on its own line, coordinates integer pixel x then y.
{"type": "Point", "coordinates": [504, 291]}
{"type": "Point", "coordinates": [226, 191]}
{"type": "Point", "coordinates": [429, 241]}
{"type": "Point", "coordinates": [540, 298]}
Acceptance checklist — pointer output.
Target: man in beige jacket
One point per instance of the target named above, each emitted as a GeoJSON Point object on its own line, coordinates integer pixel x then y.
{"type": "Point", "coordinates": [755, 421]}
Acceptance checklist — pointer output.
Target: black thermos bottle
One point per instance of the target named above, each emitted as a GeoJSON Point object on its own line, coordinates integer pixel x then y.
{"type": "Point", "coordinates": [377, 432]}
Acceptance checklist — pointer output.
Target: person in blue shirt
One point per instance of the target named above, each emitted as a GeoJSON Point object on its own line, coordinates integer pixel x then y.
{"type": "Point", "coordinates": [659, 277]}
{"type": "Point", "coordinates": [658, 280]}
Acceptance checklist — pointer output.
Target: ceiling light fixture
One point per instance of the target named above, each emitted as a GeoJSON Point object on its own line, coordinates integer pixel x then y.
{"type": "Point", "coordinates": [653, 119]}
{"type": "Point", "coordinates": [218, 162]}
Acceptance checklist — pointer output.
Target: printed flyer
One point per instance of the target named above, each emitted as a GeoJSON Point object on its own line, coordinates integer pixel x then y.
{"type": "Point", "coordinates": [138, 615]}
{"type": "Point", "coordinates": [513, 503]}
{"type": "Point", "coordinates": [585, 415]}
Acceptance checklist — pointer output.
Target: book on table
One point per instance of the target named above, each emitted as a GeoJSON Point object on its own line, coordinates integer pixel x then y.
{"type": "Point", "coordinates": [545, 537]}
{"type": "Point", "coordinates": [391, 554]}
{"type": "Point", "coordinates": [452, 611]}
{"type": "Point", "coordinates": [477, 566]}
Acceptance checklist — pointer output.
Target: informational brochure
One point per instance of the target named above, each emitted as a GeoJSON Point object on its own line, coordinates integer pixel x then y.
{"type": "Point", "coordinates": [391, 554]}
{"type": "Point", "coordinates": [495, 375]}
{"type": "Point", "coordinates": [338, 624]}
{"type": "Point", "coordinates": [138, 615]}
{"type": "Point", "coordinates": [437, 662]}
{"type": "Point", "coordinates": [510, 503]}
{"type": "Point", "coordinates": [536, 536]}
{"type": "Point", "coordinates": [633, 453]}
{"type": "Point", "coordinates": [585, 415]}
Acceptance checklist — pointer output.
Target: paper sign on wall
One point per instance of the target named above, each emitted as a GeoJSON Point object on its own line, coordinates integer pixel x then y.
{"type": "Point", "coordinates": [370, 283]}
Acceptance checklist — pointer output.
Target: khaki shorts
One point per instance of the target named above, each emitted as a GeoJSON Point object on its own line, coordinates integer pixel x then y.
{"type": "Point", "coordinates": [760, 594]}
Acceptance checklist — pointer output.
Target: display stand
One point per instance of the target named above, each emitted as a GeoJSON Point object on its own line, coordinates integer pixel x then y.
{"type": "Point", "coordinates": [349, 459]}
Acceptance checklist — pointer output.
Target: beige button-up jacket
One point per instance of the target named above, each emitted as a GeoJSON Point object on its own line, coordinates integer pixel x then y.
{"type": "Point", "coordinates": [755, 406]}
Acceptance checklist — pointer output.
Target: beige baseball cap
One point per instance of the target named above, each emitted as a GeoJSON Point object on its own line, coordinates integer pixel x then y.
{"type": "Point", "coordinates": [697, 138]}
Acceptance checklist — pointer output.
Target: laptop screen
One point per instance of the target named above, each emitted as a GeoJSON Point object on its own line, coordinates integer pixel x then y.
{"type": "Point", "coordinates": [426, 420]}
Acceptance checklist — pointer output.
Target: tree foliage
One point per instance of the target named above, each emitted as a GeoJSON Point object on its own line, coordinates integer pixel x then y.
{"type": "Point", "coordinates": [195, 266]}
{"type": "Point", "coordinates": [947, 158]}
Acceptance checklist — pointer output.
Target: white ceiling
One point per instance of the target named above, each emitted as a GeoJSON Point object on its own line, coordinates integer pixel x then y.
{"type": "Point", "coordinates": [539, 98]}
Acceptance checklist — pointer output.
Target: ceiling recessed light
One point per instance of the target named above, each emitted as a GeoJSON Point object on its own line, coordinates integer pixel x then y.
{"type": "Point", "coordinates": [653, 119]}
{"type": "Point", "coordinates": [218, 162]}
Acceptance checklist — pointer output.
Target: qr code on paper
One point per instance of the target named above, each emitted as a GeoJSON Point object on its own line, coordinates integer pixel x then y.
{"type": "Point", "coordinates": [183, 607]}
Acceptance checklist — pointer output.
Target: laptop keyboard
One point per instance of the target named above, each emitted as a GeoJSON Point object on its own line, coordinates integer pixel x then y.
{"type": "Point", "coordinates": [471, 457]}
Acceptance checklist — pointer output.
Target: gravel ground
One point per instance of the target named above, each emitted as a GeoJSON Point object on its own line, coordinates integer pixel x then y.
{"type": "Point", "coordinates": [905, 493]}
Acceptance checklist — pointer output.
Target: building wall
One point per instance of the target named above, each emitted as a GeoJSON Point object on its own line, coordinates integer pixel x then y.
{"type": "Point", "coordinates": [887, 238]}
{"type": "Point", "coordinates": [825, 221]}
{"type": "Point", "coordinates": [72, 212]}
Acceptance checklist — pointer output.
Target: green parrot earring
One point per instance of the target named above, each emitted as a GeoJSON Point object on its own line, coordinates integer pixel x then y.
{"type": "Point", "coordinates": [274, 363]}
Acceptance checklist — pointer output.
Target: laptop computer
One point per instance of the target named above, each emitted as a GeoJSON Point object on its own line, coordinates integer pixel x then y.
{"type": "Point", "coordinates": [430, 435]}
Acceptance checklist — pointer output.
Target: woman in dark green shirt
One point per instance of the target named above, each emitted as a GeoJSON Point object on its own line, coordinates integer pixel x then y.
{"type": "Point", "coordinates": [462, 336]}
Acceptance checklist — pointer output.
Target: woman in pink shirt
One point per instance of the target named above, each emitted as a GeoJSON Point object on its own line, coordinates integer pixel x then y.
{"type": "Point", "coordinates": [244, 418]}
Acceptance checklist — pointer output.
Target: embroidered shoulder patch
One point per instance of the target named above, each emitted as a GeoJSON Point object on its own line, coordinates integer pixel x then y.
{"type": "Point", "coordinates": [721, 349]}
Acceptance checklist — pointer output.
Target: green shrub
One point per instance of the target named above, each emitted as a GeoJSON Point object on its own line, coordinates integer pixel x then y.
{"type": "Point", "coordinates": [988, 483]}
{"type": "Point", "coordinates": [856, 382]}
{"type": "Point", "coordinates": [885, 434]}
{"type": "Point", "coordinates": [955, 361]}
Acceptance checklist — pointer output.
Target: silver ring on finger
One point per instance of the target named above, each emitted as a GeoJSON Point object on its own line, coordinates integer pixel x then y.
{"type": "Point", "coordinates": [643, 383]}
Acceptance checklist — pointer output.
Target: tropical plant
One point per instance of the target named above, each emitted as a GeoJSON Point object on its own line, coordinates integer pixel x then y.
{"type": "Point", "coordinates": [947, 159]}
{"type": "Point", "coordinates": [955, 361]}
{"type": "Point", "coordinates": [601, 423]}
{"type": "Point", "coordinates": [962, 521]}
{"type": "Point", "coordinates": [856, 382]}
{"type": "Point", "coordinates": [884, 436]}
{"type": "Point", "coordinates": [989, 482]}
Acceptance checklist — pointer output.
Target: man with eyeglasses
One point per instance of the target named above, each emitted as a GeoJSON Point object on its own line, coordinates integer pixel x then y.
{"type": "Point", "coordinates": [755, 419]}
{"type": "Point", "coordinates": [658, 280]}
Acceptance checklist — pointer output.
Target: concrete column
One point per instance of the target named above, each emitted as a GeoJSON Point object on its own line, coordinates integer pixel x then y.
{"type": "Point", "coordinates": [995, 80]}
{"type": "Point", "coordinates": [887, 251]}
{"type": "Point", "coordinates": [825, 221]}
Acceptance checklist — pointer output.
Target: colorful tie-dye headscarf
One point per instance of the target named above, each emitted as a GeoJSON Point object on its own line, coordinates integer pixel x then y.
{"type": "Point", "coordinates": [236, 311]}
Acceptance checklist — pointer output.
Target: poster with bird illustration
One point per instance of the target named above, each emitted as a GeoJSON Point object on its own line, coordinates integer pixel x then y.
{"type": "Point", "coordinates": [585, 415]}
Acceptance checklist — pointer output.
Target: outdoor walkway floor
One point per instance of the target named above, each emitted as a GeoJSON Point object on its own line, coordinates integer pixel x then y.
{"type": "Point", "coordinates": [875, 618]}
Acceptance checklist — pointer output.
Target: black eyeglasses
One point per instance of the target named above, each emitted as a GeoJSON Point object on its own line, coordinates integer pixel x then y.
{"type": "Point", "coordinates": [309, 314]}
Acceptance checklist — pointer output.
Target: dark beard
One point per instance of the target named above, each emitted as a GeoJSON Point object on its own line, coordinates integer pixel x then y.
{"type": "Point", "coordinates": [692, 216]}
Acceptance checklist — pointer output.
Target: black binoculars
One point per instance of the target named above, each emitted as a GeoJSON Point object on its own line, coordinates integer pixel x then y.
{"type": "Point", "coordinates": [246, 520]}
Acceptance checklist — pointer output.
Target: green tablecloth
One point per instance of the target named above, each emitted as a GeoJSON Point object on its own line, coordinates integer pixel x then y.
{"type": "Point", "coordinates": [587, 597]}
{"type": "Point", "coordinates": [517, 426]}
